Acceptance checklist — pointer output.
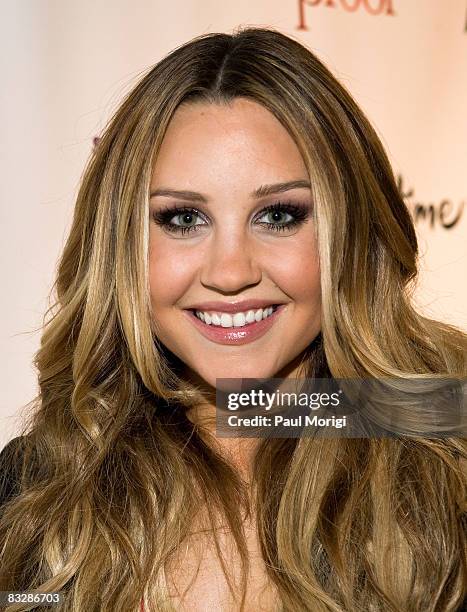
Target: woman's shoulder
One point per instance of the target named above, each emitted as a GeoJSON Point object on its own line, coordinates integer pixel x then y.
{"type": "Point", "coordinates": [10, 469]}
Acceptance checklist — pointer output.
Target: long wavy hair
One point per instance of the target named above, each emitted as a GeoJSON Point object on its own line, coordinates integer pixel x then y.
{"type": "Point", "coordinates": [113, 468]}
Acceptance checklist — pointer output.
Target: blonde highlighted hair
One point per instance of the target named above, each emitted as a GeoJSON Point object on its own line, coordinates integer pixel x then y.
{"type": "Point", "coordinates": [111, 464]}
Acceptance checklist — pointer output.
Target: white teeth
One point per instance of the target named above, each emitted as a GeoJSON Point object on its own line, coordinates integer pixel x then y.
{"type": "Point", "coordinates": [239, 319]}
{"type": "Point", "coordinates": [226, 320]}
{"type": "Point", "coordinates": [250, 316]}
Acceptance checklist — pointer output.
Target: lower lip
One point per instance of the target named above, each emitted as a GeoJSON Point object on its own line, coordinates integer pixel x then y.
{"type": "Point", "coordinates": [235, 335]}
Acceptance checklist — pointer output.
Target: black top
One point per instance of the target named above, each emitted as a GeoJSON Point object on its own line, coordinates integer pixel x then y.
{"type": "Point", "coordinates": [10, 467]}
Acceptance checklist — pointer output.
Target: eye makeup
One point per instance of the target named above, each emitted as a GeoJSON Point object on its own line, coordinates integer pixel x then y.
{"type": "Point", "coordinates": [298, 213]}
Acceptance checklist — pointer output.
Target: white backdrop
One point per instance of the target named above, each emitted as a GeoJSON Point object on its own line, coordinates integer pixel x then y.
{"type": "Point", "coordinates": [65, 66]}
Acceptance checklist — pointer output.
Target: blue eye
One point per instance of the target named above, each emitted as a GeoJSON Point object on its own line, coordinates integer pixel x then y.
{"type": "Point", "coordinates": [282, 216]}
{"type": "Point", "coordinates": [278, 212]}
{"type": "Point", "coordinates": [185, 221]}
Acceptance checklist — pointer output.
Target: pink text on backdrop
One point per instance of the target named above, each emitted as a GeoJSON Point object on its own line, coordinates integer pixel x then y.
{"type": "Point", "coordinates": [373, 7]}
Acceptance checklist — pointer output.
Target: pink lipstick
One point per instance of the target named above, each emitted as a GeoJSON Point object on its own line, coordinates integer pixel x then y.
{"type": "Point", "coordinates": [235, 335]}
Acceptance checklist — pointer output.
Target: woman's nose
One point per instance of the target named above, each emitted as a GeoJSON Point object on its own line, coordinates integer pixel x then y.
{"type": "Point", "coordinates": [231, 263]}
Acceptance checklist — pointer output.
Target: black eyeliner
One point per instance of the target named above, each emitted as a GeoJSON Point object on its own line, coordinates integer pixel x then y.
{"type": "Point", "coordinates": [300, 213]}
{"type": "Point", "coordinates": [164, 215]}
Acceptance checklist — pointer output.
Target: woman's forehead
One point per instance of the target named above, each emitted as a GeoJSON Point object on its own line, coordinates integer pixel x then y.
{"type": "Point", "coordinates": [212, 142]}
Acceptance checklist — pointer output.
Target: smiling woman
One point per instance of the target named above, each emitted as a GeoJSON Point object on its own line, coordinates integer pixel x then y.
{"type": "Point", "coordinates": [249, 242]}
{"type": "Point", "coordinates": [239, 218]}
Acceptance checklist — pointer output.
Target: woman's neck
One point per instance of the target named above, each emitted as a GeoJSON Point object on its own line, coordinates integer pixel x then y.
{"type": "Point", "coordinates": [239, 452]}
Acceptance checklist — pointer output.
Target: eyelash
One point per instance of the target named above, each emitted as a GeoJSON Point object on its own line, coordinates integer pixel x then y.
{"type": "Point", "coordinates": [299, 212]}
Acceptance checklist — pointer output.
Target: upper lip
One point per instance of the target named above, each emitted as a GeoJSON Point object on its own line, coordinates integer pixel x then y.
{"type": "Point", "coordinates": [232, 306]}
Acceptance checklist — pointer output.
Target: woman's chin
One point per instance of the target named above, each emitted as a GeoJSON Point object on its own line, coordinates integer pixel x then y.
{"type": "Point", "coordinates": [216, 379]}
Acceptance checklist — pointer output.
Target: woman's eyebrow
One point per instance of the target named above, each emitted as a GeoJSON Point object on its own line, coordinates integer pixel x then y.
{"type": "Point", "coordinates": [261, 192]}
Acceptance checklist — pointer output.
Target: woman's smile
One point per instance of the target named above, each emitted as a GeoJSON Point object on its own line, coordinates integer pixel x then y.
{"type": "Point", "coordinates": [238, 328]}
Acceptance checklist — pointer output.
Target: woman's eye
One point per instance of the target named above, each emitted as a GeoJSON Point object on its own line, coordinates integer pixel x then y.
{"type": "Point", "coordinates": [186, 220]}
{"type": "Point", "coordinates": [277, 217]}
{"type": "Point", "coordinates": [283, 216]}
{"type": "Point", "coordinates": [178, 220]}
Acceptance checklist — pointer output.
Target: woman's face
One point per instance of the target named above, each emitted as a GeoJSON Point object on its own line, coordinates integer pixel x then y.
{"type": "Point", "coordinates": [224, 165]}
